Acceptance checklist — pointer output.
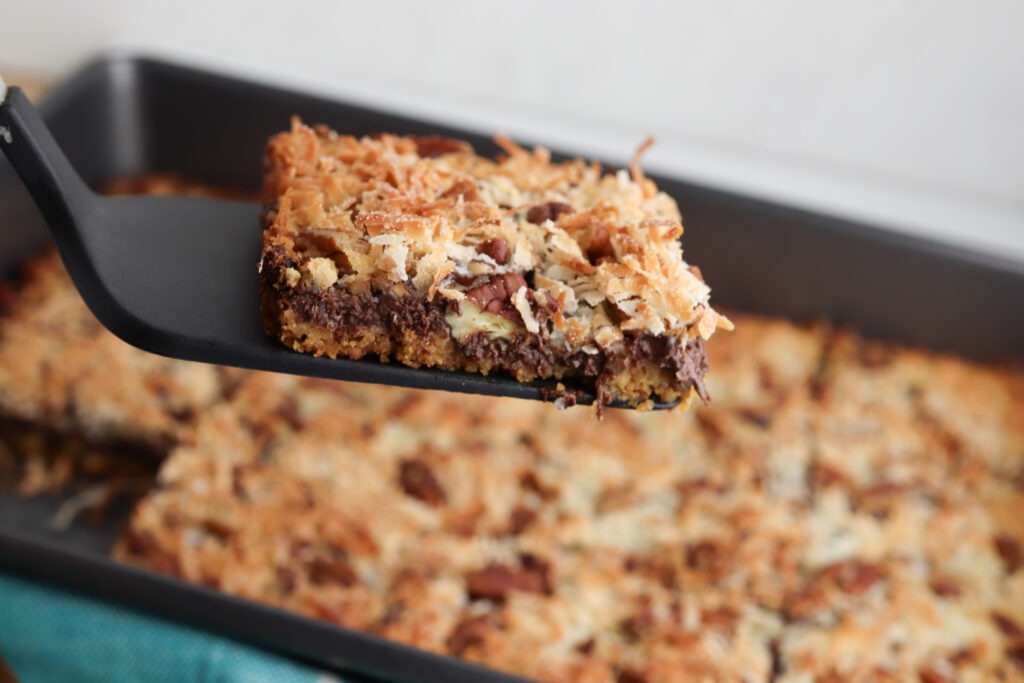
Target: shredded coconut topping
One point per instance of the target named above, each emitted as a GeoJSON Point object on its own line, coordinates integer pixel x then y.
{"type": "Point", "coordinates": [419, 213]}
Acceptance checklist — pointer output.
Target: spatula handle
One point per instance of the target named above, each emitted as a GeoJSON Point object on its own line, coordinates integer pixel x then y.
{"type": "Point", "coordinates": [60, 193]}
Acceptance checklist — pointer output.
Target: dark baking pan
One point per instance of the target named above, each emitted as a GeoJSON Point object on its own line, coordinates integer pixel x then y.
{"type": "Point", "coordinates": [126, 115]}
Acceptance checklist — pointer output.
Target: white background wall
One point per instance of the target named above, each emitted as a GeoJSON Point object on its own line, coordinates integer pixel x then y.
{"type": "Point", "coordinates": [907, 112]}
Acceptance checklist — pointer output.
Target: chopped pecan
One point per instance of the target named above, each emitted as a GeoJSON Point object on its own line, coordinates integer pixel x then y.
{"type": "Point", "coordinates": [521, 518]}
{"type": "Point", "coordinates": [285, 581]}
{"type": "Point", "coordinates": [493, 296]}
{"type": "Point", "coordinates": [823, 475]}
{"type": "Point", "coordinates": [586, 647]}
{"type": "Point", "coordinates": [710, 425]}
{"type": "Point", "coordinates": [635, 626]}
{"type": "Point", "coordinates": [218, 529]}
{"type": "Point", "coordinates": [721, 618]}
{"type": "Point", "coordinates": [531, 482]}
{"type": "Point", "coordinates": [945, 587]}
{"type": "Point", "coordinates": [599, 246]}
{"type": "Point", "coordinates": [662, 572]}
{"type": "Point", "coordinates": [803, 603]}
{"type": "Point", "coordinates": [630, 676]}
{"type": "Point", "coordinates": [496, 248]}
{"type": "Point", "coordinates": [550, 211]}
{"type": "Point", "coordinates": [1008, 626]}
{"type": "Point", "coordinates": [324, 570]}
{"type": "Point", "coordinates": [418, 481]}
{"type": "Point", "coordinates": [1009, 548]}
{"type": "Point", "coordinates": [495, 581]}
{"type": "Point", "coordinates": [433, 146]}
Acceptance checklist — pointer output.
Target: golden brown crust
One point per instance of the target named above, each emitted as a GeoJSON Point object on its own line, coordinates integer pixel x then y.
{"type": "Point", "coordinates": [519, 252]}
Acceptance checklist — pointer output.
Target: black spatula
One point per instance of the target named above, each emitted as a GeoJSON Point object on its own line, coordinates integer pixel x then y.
{"type": "Point", "coordinates": [177, 275]}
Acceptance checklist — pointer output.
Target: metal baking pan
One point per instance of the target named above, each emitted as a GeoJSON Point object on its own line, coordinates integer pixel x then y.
{"type": "Point", "coordinates": [124, 115]}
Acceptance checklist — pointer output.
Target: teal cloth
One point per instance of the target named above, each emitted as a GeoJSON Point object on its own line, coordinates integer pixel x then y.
{"type": "Point", "coordinates": [49, 634]}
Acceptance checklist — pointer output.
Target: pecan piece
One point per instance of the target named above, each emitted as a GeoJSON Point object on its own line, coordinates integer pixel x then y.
{"type": "Point", "coordinates": [1010, 551]}
{"type": "Point", "coordinates": [324, 571]}
{"type": "Point", "coordinates": [520, 519]}
{"type": "Point", "coordinates": [493, 296]}
{"type": "Point", "coordinates": [495, 581]}
{"type": "Point", "coordinates": [433, 146]}
{"type": "Point", "coordinates": [418, 481]}
{"type": "Point", "coordinates": [496, 248]}
{"type": "Point", "coordinates": [550, 211]}
{"type": "Point", "coordinates": [599, 247]}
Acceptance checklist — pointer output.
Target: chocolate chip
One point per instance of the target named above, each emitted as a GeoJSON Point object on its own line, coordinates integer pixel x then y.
{"type": "Point", "coordinates": [1009, 548]}
{"type": "Point", "coordinates": [496, 248]}
{"type": "Point", "coordinates": [433, 146]}
{"type": "Point", "coordinates": [550, 211]}
{"type": "Point", "coordinates": [418, 481]}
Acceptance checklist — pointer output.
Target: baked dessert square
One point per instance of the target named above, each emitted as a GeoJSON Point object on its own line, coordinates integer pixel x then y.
{"type": "Point", "coordinates": [421, 251]}
{"type": "Point", "coordinates": [76, 401]}
{"type": "Point", "coordinates": [804, 528]}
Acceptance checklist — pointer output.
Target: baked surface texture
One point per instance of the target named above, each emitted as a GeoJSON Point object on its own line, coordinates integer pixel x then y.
{"type": "Point", "coordinates": [421, 251]}
{"type": "Point", "coordinates": [837, 515]}
{"type": "Point", "coordinates": [62, 370]}
{"type": "Point", "coordinates": [844, 511]}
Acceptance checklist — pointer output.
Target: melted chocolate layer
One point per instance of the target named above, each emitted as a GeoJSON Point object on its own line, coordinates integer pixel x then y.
{"type": "Point", "coordinates": [345, 314]}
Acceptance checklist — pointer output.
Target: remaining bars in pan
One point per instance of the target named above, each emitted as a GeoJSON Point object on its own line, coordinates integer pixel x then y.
{"type": "Point", "coordinates": [418, 250]}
